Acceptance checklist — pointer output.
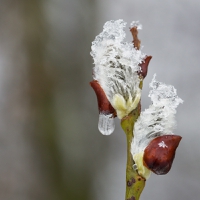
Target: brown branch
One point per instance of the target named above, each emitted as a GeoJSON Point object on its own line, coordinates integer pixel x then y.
{"type": "Point", "coordinates": [136, 41]}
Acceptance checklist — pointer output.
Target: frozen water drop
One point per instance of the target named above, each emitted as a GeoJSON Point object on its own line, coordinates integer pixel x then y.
{"type": "Point", "coordinates": [106, 124]}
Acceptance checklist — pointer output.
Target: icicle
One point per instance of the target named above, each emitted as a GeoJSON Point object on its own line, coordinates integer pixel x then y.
{"type": "Point", "coordinates": [106, 124]}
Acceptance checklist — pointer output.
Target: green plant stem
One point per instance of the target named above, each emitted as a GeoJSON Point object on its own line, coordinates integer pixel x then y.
{"type": "Point", "coordinates": [134, 182]}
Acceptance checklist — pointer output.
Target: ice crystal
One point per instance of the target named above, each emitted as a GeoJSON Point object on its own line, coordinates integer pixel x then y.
{"type": "Point", "coordinates": [136, 24]}
{"type": "Point", "coordinates": [116, 66]}
{"type": "Point", "coordinates": [158, 119]}
{"type": "Point", "coordinates": [162, 144]}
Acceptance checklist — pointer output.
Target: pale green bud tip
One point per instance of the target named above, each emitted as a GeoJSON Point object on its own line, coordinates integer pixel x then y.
{"type": "Point", "coordinates": [142, 170]}
{"type": "Point", "coordinates": [123, 107]}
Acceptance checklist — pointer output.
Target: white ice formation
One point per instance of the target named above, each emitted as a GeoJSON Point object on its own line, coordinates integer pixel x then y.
{"type": "Point", "coordinates": [157, 120]}
{"type": "Point", "coordinates": [116, 65]}
{"type": "Point", "coordinates": [136, 24]}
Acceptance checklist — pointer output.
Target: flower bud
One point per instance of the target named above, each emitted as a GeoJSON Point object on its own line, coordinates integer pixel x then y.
{"type": "Point", "coordinates": [154, 145]}
{"type": "Point", "coordinates": [116, 71]}
{"type": "Point", "coordinates": [144, 66]}
{"type": "Point", "coordinates": [103, 103]}
{"type": "Point", "coordinates": [160, 153]}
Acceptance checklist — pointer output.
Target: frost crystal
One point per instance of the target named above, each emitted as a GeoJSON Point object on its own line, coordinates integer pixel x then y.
{"type": "Point", "coordinates": [162, 144]}
{"type": "Point", "coordinates": [136, 24]}
{"type": "Point", "coordinates": [158, 119]}
{"type": "Point", "coordinates": [116, 65]}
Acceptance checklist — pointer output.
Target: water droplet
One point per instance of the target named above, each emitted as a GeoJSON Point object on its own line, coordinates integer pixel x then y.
{"type": "Point", "coordinates": [106, 124]}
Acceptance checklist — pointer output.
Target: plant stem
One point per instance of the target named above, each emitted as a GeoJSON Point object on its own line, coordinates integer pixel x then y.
{"type": "Point", "coordinates": [134, 182]}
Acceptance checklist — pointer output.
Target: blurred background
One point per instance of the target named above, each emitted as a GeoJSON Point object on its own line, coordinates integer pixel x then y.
{"type": "Point", "coordinates": [50, 147]}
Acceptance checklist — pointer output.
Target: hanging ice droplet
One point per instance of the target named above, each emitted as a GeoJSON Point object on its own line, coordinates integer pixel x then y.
{"type": "Point", "coordinates": [106, 124]}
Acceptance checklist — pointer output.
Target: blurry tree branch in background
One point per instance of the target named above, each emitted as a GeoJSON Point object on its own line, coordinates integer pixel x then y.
{"type": "Point", "coordinates": [39, 167]}
{"type": "Point", "coordinates": [42, 93]}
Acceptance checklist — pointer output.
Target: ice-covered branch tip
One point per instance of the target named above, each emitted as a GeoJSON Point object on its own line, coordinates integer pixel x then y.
{"type": "Point", "coordinates": [117, 68]}
{"type": "Point", "coordinates": [157, 120]}
{"type": "Point", "coordinates": [134, 27]}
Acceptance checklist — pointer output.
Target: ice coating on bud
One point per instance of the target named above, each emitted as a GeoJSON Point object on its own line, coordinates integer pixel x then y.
{"type": "Point", "coordinates": [116, 66]}
{"type": "Point", "coordinates": [164, 96]}
{"type": "Point", "coordinates": [106, 124]}
{"type": "Point", "coordinates": [158, 119]}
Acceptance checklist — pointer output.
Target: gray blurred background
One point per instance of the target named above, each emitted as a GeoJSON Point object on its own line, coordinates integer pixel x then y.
{"type": "Point", "coordinates": [50, 147]}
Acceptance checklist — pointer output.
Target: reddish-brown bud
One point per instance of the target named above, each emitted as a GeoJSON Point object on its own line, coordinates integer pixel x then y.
{"type": "Point", "coordinates": [136, 43]}
{"type": "Point", "coordinates": [160, 153]}
{"type": "Point", "coordinates": [104, 105]}
{"type": "Point", "coordinates": [144, 66]}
